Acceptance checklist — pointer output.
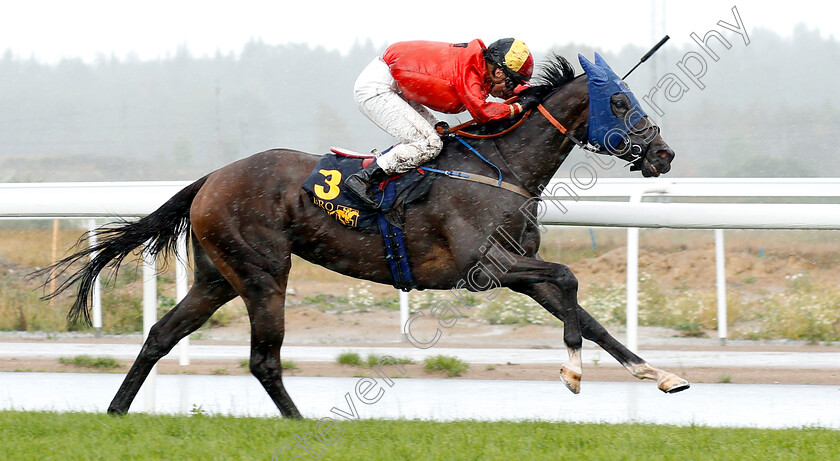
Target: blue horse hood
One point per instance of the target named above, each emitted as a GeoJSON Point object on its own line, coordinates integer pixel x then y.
{"type": "Point", "coordinates": [605, 129]}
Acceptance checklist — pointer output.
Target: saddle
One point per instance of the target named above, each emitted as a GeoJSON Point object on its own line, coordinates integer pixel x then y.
{"type": "Point", "coordinates": [325, 187]}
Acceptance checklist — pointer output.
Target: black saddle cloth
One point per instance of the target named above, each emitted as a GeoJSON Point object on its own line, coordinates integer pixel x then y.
{"type": "Point", "coordinates": [325, 187]}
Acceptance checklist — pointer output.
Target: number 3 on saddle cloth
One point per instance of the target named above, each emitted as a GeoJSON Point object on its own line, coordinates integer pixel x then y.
{"type": "Point", "coordinates": [325, 187]}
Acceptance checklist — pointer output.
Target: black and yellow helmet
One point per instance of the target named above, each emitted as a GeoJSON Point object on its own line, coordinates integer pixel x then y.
{"type": "Point", "coordinates": [513, 57]}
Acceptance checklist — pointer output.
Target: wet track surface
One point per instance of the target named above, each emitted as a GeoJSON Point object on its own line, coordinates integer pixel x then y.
{"type": "Point", "coordinates": [735, 405]}
{"type": "Point", "coordinates": [660, 358]}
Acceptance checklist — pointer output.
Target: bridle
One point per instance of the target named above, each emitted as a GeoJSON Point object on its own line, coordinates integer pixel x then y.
{"type": "Point", "coordinates": [634, 154]}
{"type": "Point", "coordinates": [458, 132]}
{"type": "Point", "coordinates": [459, 129]}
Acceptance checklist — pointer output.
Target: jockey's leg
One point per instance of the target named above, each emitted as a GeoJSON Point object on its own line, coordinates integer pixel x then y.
{"type": "Point", "coordinates": [424, 112]}
{"type": "Point", "coordinates": [378, 99]}
{"type": "Point", "coordinates": [361, 183]}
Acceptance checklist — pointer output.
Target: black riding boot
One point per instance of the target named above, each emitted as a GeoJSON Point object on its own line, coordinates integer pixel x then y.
{"type": "Point", "coordinates": [362, 181]}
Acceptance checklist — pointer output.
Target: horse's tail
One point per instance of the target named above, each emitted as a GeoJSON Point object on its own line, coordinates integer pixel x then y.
{"type": "Point", "coordinates": [117, 240]}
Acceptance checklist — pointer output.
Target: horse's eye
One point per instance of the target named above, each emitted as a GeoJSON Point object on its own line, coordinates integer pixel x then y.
{"type": "Point", "coordinates": [620, 104]}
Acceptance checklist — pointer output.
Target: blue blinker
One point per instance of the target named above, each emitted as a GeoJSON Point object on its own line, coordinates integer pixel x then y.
{"type": "Point", "coordinates": [605, 129]}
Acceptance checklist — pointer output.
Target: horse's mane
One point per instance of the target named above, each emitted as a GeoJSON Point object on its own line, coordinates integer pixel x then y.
{"type": "Point", "coordinates": [554, 73]}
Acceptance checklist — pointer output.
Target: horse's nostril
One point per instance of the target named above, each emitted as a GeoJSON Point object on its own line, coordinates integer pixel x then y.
{"type": "Point", "coordinates": [663, 154]}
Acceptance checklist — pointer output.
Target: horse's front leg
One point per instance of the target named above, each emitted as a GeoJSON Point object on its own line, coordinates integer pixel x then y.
{"type": "Point", "coordinates": [591, 329]}
{"type": "Point", "coordinates": [531, 275]}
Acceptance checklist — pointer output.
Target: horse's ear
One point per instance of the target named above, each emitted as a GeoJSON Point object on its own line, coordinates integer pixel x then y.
{"type": "Point", "coordinates": [593, 72]}
{"type": "Point", "coordinates": [600, 62]}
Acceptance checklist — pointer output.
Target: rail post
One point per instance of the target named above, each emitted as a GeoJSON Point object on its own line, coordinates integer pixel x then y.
{"type": "Point", "coordinates": [149, 319]}
{"type": "Point", "coordinates": [720, 269]}
{"type": "Point", "coordinates": [181, 288]}
{"type": "Point", "coordinates": [97, 287]}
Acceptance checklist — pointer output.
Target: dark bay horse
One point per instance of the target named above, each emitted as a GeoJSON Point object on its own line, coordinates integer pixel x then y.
{"type": "Point", "coordinates": [247, 219]}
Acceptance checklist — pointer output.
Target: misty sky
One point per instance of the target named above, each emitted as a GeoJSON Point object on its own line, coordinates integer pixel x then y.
{"type": "Point", "coordinates": [54, 30]}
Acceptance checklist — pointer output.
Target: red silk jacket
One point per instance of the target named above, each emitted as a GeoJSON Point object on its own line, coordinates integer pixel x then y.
{"type": "Point", "coordinates": [445, 77]}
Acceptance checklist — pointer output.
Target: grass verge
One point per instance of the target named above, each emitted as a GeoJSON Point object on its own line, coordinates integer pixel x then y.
{"type": "Point", "coordinates": [372, 360]}
{"type": "Point", "coordinates": [48, 436]}
{"type": "Point", "coordinates": [86, 361]}
{"type": "Point", "coordinates": [452, 366]}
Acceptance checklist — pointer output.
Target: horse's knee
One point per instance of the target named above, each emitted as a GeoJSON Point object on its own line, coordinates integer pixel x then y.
{"type": "Point", "coordinates": [263, 367]}
{"type": "Point", "coordinates": [566, 279]}
{"type": "Point", "coordinates": [156, 345]}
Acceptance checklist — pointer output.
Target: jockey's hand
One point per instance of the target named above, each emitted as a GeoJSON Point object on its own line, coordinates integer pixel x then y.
{"type": "Point", "coordinates": [520, 88]}
{"type": "Point", "coordinates": [442, 128]}
{"type": "Point", "coordinates": [500, 91]}
{"type": "Point", "coordinates": [529, 101]}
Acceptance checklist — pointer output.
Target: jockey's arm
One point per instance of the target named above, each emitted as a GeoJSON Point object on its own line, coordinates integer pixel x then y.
{"type": "Point", "coordinates": [474, 96]}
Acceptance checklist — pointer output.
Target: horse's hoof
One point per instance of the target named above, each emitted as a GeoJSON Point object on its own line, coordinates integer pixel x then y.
{"type": "Point", "coordinates": [671, 384]}
{"type": "Point", "coordinates": [571, 379]}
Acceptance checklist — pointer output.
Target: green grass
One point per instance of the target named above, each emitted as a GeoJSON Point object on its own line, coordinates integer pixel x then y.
{"type": "Point", "coordinates": [72, 436]}
{"type": "Point", "coordinates": [349, 358]}
{"type": "Point", "coordinates": [372, 360]}
{"type": "Point", "coordinates": [284, 364]}
{"type": "Point", "coordinates": [104, 363]}
{"type": "Point", "coordinates": [690, 330]}
{"type": "Point", "coordinates": [452, 366]}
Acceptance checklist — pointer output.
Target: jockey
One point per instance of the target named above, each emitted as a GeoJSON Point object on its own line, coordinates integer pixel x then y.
{"type": "Point", "coordinates": [395, 90]}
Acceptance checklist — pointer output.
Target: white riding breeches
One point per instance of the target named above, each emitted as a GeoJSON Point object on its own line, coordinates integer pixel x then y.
{"type": "Point", "coordinates": [411, 123]}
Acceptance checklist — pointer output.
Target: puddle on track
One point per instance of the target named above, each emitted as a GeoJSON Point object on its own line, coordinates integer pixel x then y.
{"type": "Point", "coordinates": [732, 405]}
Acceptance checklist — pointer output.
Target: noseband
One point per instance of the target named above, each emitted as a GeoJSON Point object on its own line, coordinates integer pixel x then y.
{"type": "Point", "coordinates": [638, 152]}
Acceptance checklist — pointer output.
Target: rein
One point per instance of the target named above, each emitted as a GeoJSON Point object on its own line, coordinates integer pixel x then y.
{"type": "Point", "coordinates": [458, 132]}
{"type": "Point", "coordinates": [459, 129]}
{"type": "Point", "coordinates": [562, 129]}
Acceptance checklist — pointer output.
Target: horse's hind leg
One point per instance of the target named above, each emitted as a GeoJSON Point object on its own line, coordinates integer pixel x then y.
{"type": "Point", "coordinates": [267, 332]}
{"type": "Point", "coordinates": [208, 292]}
{"type": "Point", "coordinates": [260, 277]}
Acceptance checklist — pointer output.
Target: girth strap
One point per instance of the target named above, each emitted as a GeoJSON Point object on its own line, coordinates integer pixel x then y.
{"type": "Point", "coordinates": [396, 254]}
{"type": "Point", "coordinates": [483, 180]}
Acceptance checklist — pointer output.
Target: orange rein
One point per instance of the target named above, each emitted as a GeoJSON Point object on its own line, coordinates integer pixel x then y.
{"type": "Point", "coordinates": [458, 129]}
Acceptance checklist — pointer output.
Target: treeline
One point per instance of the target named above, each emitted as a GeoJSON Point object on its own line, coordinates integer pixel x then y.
{"type": "Point", "coordinates": [767, 109]}
{"type": "Point", "coordinates": [184, 112]}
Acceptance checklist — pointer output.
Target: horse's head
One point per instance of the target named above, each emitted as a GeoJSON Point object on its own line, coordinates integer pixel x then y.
{"type": "Point", "coordinates": [618, 125]}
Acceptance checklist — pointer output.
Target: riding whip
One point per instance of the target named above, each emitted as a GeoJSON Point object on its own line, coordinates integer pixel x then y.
{"type": "Point", "coordinates": [647, 55]}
